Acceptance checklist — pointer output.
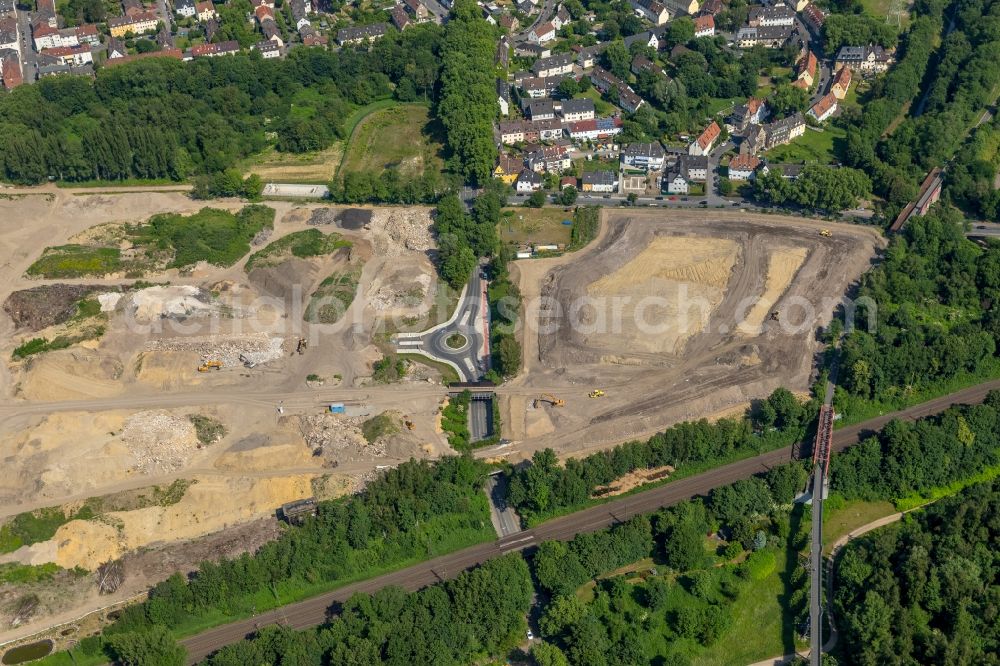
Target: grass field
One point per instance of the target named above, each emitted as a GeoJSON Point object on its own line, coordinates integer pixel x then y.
{"type": "Point", "coordinates": [535, 225]}
{"type": "Point", "coordinates": [302, 244]}
{"type": "Point", "coordinates": [880, 8]}
{"type": "Point", "coordinates": [841, 517]}
{"type": "Point", "coordinates": [401, 137]}
{"type": "Point", "coordinates": [306, 168]}
{"type": "Point", "coordinates": [814, 147]}
{"type": "Point", "coordinates": [601, 107]}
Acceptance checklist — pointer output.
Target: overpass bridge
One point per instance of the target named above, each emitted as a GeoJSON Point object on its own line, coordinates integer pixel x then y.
{"type": "Point", "coordinates": [822, 448]}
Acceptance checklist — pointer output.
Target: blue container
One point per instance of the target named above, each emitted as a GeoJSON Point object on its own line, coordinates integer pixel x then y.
{"type": "Point", "coordinates": [337, 408]}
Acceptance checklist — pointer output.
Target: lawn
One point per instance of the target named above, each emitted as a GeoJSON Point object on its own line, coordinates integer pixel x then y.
{"type": "Point", "coordinates": [596, 165]}
{"type": "Point", "coordinates": [601, 107]}
{"type": "Point", "coordinates": [880, 8]}
{"type": "Point", "coordinates": [528, 226]}
{"type": "Point", "coordinates": [841, 516]}
{"type": "Point", "coordinates": [401, 137]}
{"type": "Point", "coordinates": [814, 147]}
{"type": "Point", "coordinates": [69, 261]}
{"type": "Point", "coordinates": [306, 168]}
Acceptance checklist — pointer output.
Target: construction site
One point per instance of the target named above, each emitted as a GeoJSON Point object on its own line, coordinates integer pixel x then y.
{"type": "Point", "coordinates": [164, 415]}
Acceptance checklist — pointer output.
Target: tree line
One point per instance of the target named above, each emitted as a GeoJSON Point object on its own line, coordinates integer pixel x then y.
{"type": "Point", "coordinates": [542, 487]}
{"type": "Point", "coordinates": [905, 458]}
{"type": "Point", "coordinates": [163, 119]}
{"type": "Point", "coordinates": [818, 187]}
{"type": "Point", "coordinates": [924, 591]}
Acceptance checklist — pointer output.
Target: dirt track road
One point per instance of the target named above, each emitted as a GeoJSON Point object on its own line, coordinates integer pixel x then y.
{"type": "Point", "coordinates": [314, 611]}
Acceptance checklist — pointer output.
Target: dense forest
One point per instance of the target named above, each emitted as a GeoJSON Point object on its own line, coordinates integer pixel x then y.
{"type": "Point", "coordinates": [542, 487]}
{"type": "Point", "coordinates": [411, 512]}
{"type": "Point", "coordinates": [935, 302]}
{"type": "Point", "coordinates": [906, 458]}
{"type": "Point", "coordinates": [929, 99]}
{"type": "Point", "coordinates": [164, 119]}
{"type": "Point", "coordinates": [925, 591]}
{"type": "Point", "coordinates": [971, 177]}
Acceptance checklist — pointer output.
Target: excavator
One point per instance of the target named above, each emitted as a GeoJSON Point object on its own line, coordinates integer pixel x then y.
{"type": "Point", "coordinates": [551, 399]}
{"type": "Point", "coordinates": [825, 233]}
{"type": "Point", "coordinates": [208, 365]}
{"type": "Point", "coordinates": [596, 393]}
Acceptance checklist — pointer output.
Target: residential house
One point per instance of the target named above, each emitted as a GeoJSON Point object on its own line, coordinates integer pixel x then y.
{"type": "Point", "coordinates": [503, 97]}
{"type": "Point", "coordinates": [87, 34]}
{"type": "Point", "coordinates": [652, 10]}
{"type": "Point", "coordinates": [215, 50]}
{"type": "Point", "coordinates": [706, 140]}
{"type": "Point", "coordinates": [502, 56]}
{"type": "Point", "coordinates": [10, 35]}
{"type": "Point", "coordinates": [116, 48]}
{"type": "Point", "coordinates": [743, 166]}
{"type": "Point", "coordinates": [400, 18]}
{"type": "Point", "coordinates": [712, 7]}
{"type": "Point", "coordinates": [754, 112]}
{"type": "Point", "coordinates": [824, 108]}
{"type": "Point", "coordinates": [755, 140]}
{"type": "Point", "coordinates": [785, 130]}
{"type": "Point", "coordinates": [567, 181]}
{"type": "Point", "coordinates": [601, 182]}
{"type": "Point", "coordinates": [532, 50]}
{"type": "Point", "coordinates": [555, 65]}
{"type": "Point", "coordinates": [678, 7]}
{"type": "Point", "coordinates": [641, 63]}
{"type": "Point", "coordinates": [597, 129]}
{"type": "Point", "coordinates": [205, 10]}
{"type": "Point", "coordinates": [805, 70]}
{"type": "Point", "coordinates": [527, 182]}
{"type": "Point", "coordinates": [539, 109]}
{"type": "Point", "coordinates": [604, 81]}
{"type": "Point", "coordinates": [841, 83]}
{"type": "Point", "coordinates": [628, 100]}
{"type": "Point", "coordinates": [10, 69]}
{"type": "Point", "coordinates": [78, 55]}
{"type": "Point", "coordinates": [312, 38]}
{"type": "Point", "coordinates": [362, 34]}
{"type": "Point", "coordinates": [586, 56]}
{"type": "Point", "coordinates": [814, 17]}
{"type": "Point", "coordinates": [787, 171]}
{"type": "Point", "coordinates": [799, 5]}
{"type": "Point", "coordinates": [119, 26]}
{"type": "Point", "coordinates": [574, 110]}
{"type": "Point", "coordinates": [866, 60]}
{"type": "Point", "coordinates": [648, 156]}
{"type": "Point", "coordinates": [674, 180]}
{"type": "Point", "coordinates": [704, 26]}
{"type": "Point", "coordinates": [184, 8]}
{"type": "Point", "coordinates": [536, 87]}
{"type": "Point", "coordinates": [651, 38]}
{"type": "Point", "coordinates": [267, 49]}
{"type": "Point", "coordinates": [45, 14]}
{"type": "Point", "coordinates": [769, 16]}
{"type": "Point", "coordinates": [133, 7]}
{"type": "Point", "coordinates": [561, 18]}
{"type": "Point", "coordinates": [548, 159]}
{"type": "Point", "coordinates": [694, 167]}
{"type": "Point", "coordinates": [509, 23]}
{"type": "Point", "coordinates": [522, 131]}
{"type": "Point", "coordinates": [417, 10]}
{"type": "Point", "coordinates": [543, 33]}
{"type": "Point", "coordinates": [771, 36]}
{"type": "Point", "coordinates": [508, 168]}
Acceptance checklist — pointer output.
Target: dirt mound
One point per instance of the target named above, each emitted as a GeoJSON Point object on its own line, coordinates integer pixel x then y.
{"type": "Point", "coordinates": [178, 301]}
{"type": "Point", "coordinates": [47, 305]}
{"type": "Point", "coordinates": [291, 279]}
{"type": "Point", "coordinates": [396, 230]}
{"type": "Point", "coordinates": [351, 218]}
{"type": "Point", "coordinates": [71, 374]}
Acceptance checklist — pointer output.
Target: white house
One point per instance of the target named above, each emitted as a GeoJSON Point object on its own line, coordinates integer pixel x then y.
{"type": "Point", "coordinates": [648, 156]}
{"type": "Point", "coordinates": [742, 167]}
{"type": "Point", "coordinates": [674, 182]}
{"type": "Point", "coordinates": [824, 108]}
{"type": "Point", "coordinates": [652, 10]}
{"type": "Point", "coordinates": [574, 110]}
{"type": "Point", "coordinates": [706, 140]}
{"type": "Point", "coordinates": [602, 182]}
{"type": "Point", "coordinates": [546, 32]}
{"type": "Point", "coordinates": [184, 8]}
{"type": "Point", "coordinates": [528, 181]}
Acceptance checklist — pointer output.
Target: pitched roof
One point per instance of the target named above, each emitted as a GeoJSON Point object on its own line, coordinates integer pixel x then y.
{"type": "Point", "coordinates": [823, 106]}
{"type": "Point", "coordinates": [842, 77]}
{"type": "Point", "coordinates": [744, 162]}
{"type": "Point", "coordinates": [708, 137]}
{"type": "Point", "coordinates": [704, 22]}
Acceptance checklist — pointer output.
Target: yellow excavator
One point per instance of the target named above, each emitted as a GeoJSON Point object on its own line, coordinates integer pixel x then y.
{"type": "Point", "coordinates": [551, 399]}
{"type": "Point", "coordinates": [209, 365]}
{"type": "Point", "coordinates": [596, 393]}
{"type": "Point", "coordinates": [825, 233]}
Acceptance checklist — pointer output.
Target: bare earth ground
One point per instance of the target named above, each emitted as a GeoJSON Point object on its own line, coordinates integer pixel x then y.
{"type": "Point", "coordinates": [701, 344]}
{"type": "Point", "coordinates": [112, 415]}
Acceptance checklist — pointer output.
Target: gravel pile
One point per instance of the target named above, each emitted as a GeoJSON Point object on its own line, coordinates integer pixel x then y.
{"type": "Point", "coordinates": [160, 441]}
{"type": "Point", "coordinates": [388, 297]}
{"type": "Point", "coordinates": [338, 436]}
{"type": "Point", "coordinates": [227, 349]}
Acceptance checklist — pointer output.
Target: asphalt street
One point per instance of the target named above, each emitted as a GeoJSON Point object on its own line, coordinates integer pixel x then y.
{"type": "Point", "coordinates": [505, 519]}
{"type": "Point", "coordinates": [469, 321]}
{"type": "Point", "coordinates": [315, 611]}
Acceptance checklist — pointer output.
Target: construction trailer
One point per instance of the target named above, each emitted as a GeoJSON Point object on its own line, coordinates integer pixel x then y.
{"type": "Point", "coordinates": [295, 513]}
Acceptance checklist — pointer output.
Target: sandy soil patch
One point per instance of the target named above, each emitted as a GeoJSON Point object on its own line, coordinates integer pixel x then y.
{"type": "Point", "coordinates": [633, 480]}
{"type": "Point", "coordinates": [71, 374]}
{"type": "Point", "coordinates": [667, 294]}
{"type": "Point", "coordinates": [782, 265]}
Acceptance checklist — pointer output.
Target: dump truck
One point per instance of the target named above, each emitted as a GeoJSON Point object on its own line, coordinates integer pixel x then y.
{"type": "Point", "coordinates": [596, 393]}
{"type": "Point", "coordinates": [208, 365]}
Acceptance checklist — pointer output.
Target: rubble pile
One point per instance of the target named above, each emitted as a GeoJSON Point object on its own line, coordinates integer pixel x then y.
{"type": "Point", "coordinates": [227, 349]}
{"type": "Point", "coordinates": [396, 229]}
{"type": "Point", "coordinates": [160, 441]}
{"type": "Point", "coordinates": [388, 297]}
{"type": "Point", "coordinates": [335, 434]}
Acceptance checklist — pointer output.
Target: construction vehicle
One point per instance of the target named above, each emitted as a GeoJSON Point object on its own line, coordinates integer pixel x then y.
{"type": "Point", "coordinates": [247, 363]}
{"type": "Point", "coordinates": [551, 399]}
{"type": "Point", "coordinates": [208, 365]}
{"type": "Point", "coordinates": [825, 233]}
{"type": "Point", "coordinates": [410, 425]}
{"type": "Point", "coordinates": [775, 315]}
{"type": "Point", "coordinates": [596, 393]}
{"type": "Point", "coordinates": [302, 345]}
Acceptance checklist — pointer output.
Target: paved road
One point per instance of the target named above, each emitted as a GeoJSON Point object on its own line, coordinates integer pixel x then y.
{"type": "Point", "coordinates": [314, 611]}
{"type": "Point", "coordinates": [29, 58]}
{"type": "Point", "coordinates": [505, 519]}
{"type": "Point", "coordinates": [470, 320]}
{"type": "Point", "coordinates": [984, 230]}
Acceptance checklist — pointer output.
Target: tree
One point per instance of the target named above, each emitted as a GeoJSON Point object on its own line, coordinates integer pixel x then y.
{"type": "Point", "coordinates": [507, 356]}
{"type": "Point", "coordinates": [568, 196]}
{"type": "Point", "coordinates": [616, 59]}
{"type": "Point", "coordinates": [546, 654]}
{"type": "Point", "coordinates": [787, 100]}
{"type": "Point", "coordinates": [785, 482]}
{"type": "Point", "coordinates": [568, 88]}
{"type": "Point", "coordinates": [152, 647]}
{"type": "Point", "coordinates": [537, 199]}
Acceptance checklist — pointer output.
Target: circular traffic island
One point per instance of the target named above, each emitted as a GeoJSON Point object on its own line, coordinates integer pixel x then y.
{"type": "Point", "coordinates": [456, 341]}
